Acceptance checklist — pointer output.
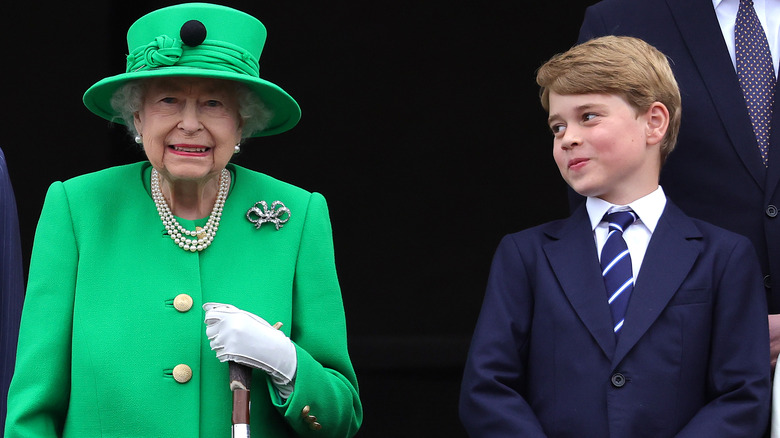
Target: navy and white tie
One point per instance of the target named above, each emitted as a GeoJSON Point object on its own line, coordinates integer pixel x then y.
{"type": "Point", "coordinates": [616, 266]}
{"type": "Point", "coordinates": [755, 72]}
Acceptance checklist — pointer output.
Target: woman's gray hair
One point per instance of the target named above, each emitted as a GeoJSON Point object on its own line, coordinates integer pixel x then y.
{"type": "Point", "coordinates": [127, 100]}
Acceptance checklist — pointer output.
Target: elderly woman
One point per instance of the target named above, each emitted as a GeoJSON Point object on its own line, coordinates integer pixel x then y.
{"type": "Point", "coordinates": [113, 340]}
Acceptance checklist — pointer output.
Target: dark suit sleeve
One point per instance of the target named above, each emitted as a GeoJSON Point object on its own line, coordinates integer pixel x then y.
{"type": "Point", "coordinates": [739, 359]}
{"type": "Point", "coordinates": [592, 26]}
{"type": "Point", "coordinates": [492, 402]}
{"type": "Point", "coordinates": [11, 284]}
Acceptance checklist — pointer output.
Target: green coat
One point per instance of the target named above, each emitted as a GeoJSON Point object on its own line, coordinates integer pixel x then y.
{"type": "Point", "coordinates": [100, 335]}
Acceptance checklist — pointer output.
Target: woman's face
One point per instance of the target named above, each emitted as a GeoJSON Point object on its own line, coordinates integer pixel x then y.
{"type": "Point", "coordinates": [190, 126]}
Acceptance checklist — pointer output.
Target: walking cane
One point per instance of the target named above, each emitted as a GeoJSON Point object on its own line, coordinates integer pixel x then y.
{"type": "Point", "coordinates": [240, 382]}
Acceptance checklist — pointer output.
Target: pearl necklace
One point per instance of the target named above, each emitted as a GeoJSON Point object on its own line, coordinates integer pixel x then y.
{"type": "Point", "coordinates": [205, 235]}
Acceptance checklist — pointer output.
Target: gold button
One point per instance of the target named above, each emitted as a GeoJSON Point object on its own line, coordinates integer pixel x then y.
{"type": "Point", "coordinates": [182, 303]}
{"type": "Point", "coordinates": [182, 373]}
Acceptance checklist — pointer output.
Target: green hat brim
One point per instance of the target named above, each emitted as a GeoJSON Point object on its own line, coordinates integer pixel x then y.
{"type": "Point", "coordinates": [285, 112]}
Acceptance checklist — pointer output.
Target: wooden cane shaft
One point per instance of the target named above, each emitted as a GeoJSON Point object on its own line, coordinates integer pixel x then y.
{"type": "Point", "coordinates": [240, 384]}
{"type": "Point", "coordinates": [240, 406]}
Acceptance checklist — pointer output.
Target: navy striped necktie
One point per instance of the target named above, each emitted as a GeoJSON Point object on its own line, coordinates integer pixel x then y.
{"type": "Point", "coordinates": [616, 266]}
{"type": "Point", "coordinates": [755, 72]}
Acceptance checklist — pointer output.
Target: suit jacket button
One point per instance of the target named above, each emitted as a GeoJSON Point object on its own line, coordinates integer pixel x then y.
{"type": "Point", "coordinates": [618, 380]}
{"type": "Point", "coordinates": [771, 210]}
{"type": "Point", "coordinates": [182, 373]}
{"type": "Point", "coordinates": [182, 303]}
{"type": "Point", "coordinates": [768, 281]}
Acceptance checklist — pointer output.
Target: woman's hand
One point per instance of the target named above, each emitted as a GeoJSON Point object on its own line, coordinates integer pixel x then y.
{"type": "Point", "coordinates": [242, 337]}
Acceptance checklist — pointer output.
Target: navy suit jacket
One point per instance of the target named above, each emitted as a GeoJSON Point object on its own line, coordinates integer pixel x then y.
{"type": "Point", "coordinates": [690, 360]}
{"type": "Point", "coordinates": [11, 283]}
{"type": "Point", "coordinates": [715, 173]}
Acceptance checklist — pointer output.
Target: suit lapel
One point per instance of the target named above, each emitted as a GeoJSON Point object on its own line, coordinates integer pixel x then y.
{"type": "Point", "coordinates": [670, 256]}
{"type": "Point", "coordinates": [699, 28]}
{"type": "Point", "coordinates": [572, 255]}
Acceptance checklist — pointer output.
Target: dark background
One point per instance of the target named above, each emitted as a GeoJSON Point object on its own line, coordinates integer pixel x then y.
{"type": "Point", "coordinates": [421, 126]}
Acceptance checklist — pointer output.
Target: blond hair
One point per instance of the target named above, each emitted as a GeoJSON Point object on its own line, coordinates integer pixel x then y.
{"type": "Point", "coordinates": [624, 66]}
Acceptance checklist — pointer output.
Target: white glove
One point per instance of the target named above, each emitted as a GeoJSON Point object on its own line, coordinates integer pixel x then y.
{"type": "Point", "coordinates": [247, 339]}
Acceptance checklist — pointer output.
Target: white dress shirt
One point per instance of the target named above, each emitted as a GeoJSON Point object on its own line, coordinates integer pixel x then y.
{"type": "Point", "coordinates": [768, 12]}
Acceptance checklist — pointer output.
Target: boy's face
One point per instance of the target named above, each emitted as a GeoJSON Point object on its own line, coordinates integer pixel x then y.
{"type": "Point", "coordinates": [602, 148]}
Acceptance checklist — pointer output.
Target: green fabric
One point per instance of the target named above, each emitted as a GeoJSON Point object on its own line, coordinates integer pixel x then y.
{"type": "Point", "coordinates": [231, 52]}
{"type": "Point", "coordinates": [100, 336]}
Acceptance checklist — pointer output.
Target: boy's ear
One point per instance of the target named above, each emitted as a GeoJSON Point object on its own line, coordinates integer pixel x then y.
{"type": "Point", "coordinates": [657, 117]}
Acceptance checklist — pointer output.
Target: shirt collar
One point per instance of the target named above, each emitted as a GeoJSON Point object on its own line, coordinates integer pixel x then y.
{"type": "Point", "coordinates": [648, 208]}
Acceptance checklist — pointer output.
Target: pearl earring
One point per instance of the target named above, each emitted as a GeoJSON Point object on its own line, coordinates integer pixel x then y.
{"type": "Point", "coordinates": [139, 139]}
{"type": "Point", "coordinates": [237, 148]}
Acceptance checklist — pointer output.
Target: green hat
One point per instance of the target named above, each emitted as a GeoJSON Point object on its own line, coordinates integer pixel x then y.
{"type": "Point", "coordinates": [198, 40]}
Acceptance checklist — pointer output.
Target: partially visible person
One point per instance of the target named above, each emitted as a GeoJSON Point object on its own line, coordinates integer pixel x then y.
{"type": "Point", "coordinates": [112, 339]}
{"type": "Point", "coordinates": [11, 283]}
{"type": "Point", "coordinates": [629, 318]}
{"type": "Point", "coordinates": [724, 170]}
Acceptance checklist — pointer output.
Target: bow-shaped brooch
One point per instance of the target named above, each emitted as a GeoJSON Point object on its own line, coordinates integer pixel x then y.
{"type": "Point", "coordinates": [259, 214]}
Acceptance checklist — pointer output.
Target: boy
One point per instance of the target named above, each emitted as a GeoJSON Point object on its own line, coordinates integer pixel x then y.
{"type": "Point", "coordinates": [574, 339]}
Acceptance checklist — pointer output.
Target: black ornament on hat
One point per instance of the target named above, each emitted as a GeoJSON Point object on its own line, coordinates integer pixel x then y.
{"type": "Point", "coordinates": [193, 33]}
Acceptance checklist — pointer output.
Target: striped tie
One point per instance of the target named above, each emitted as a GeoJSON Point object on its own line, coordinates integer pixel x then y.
{"type": "Point", "coordinates": [755, 72]}
{"type": "Point", "coordinates": [616, 266]}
